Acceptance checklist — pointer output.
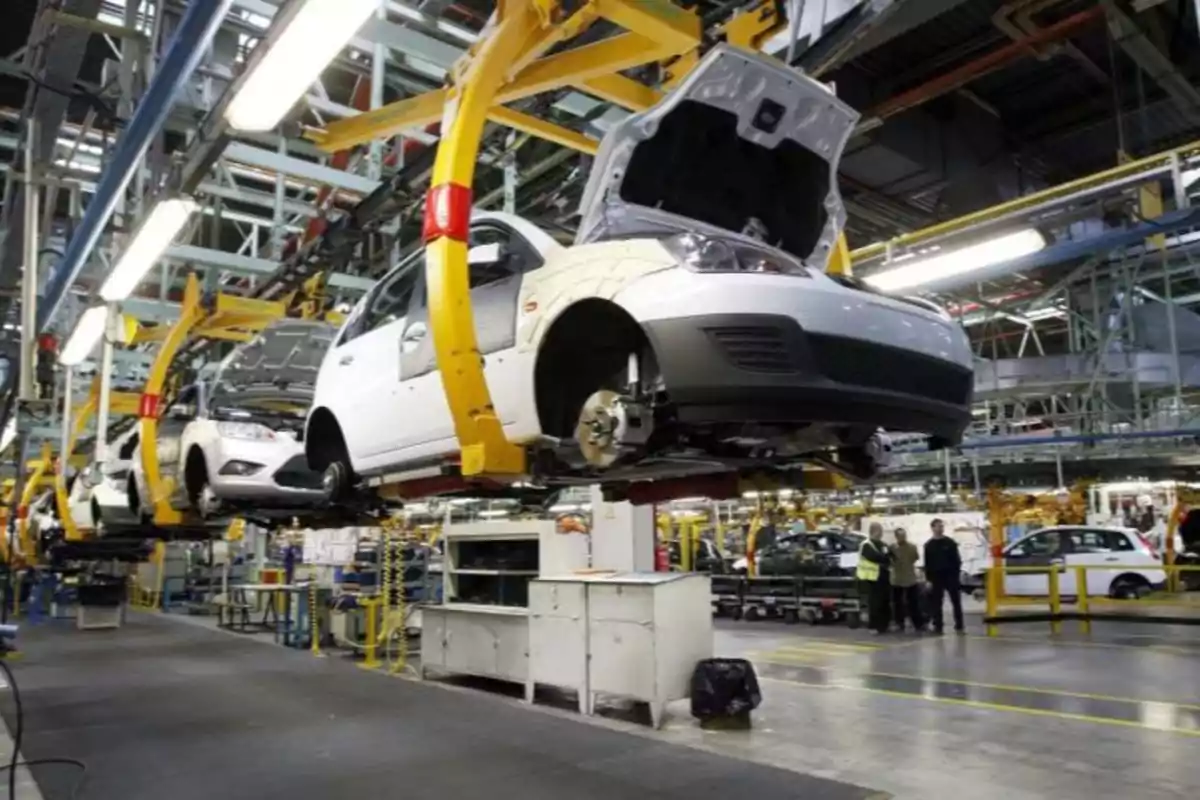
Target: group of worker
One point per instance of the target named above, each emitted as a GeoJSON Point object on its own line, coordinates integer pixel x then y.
{"type": "Point", "coordinates": [895, 591]}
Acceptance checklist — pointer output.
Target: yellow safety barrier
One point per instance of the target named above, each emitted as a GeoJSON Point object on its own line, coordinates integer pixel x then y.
{"type": "Point", "coordinates": [1083, 600]}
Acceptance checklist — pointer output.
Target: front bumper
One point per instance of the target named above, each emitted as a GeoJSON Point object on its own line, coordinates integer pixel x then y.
{"type": "Point", "coordinates": [284, 477]}
{"type": "Point", "coordinates": [766, 368]}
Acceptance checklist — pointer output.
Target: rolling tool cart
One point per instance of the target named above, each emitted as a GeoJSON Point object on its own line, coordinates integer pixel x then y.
{"type": "Point", "coordinates": [728, 595]}
{"type": "Point", "coordinates": [831, 598]}
{"type": "Point", "coordinates": [772, 596]}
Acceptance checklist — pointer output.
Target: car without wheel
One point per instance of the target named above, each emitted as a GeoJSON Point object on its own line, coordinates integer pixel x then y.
{"type": "Point", "coordinates": [236, 442]}
{"type": "Point", "coordinates": [690, 330]}
{"type": "Point", "coordinates": [1127, 566]}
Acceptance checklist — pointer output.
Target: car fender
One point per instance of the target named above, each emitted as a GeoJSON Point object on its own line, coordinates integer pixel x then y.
{"type": "Point", "coordinates": [603, 270]}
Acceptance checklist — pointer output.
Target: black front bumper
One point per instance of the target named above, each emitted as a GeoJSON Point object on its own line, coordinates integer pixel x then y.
{"type": "Point", "coordinates": [767, 369]}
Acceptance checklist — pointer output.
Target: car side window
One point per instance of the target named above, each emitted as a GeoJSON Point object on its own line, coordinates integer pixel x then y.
{"type": "Point", "coordinates": [1119, 542]}
{"type": "Point", "coordinates": [1089, 541]}
{"type": "Point", "coordinates": [517, 256]}
{"type": "Point", "coordinates": [388, 300]}
{"type": "Point", "coordinates": [1042, 544]}
{"type": "Point", "coordinates": [126, 450]}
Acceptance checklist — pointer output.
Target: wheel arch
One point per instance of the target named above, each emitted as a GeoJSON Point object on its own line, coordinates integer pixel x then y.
{"type": "Point", "coordinates": [324, 440]}
{"type": "Point", "coordinates": [1128, 579]}
{"type": "Point", "coordinates": [195, 469]}
{"type": "Point", "coordinates": [561, 380]}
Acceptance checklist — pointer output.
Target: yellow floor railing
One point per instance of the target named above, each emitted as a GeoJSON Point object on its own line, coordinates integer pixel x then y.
{"type": "Point", "coordinates": [1081, 599]}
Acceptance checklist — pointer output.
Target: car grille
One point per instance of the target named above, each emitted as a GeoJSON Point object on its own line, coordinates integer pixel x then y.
{"type": "Point", "coordinates": [295, 474]}
{"type": "Point", "coordinates": [756, 348]}
{"type": "Point", "coordinates": [891, 369]}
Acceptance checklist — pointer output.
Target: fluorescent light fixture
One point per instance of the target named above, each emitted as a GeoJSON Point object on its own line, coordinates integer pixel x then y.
{"type": "Point", "coordinates": [10, 433]}
{"type": "Point", "coordinates": [313, 37]}
{"type": "Point", "coordinates": [83, 339]}
{"type": "Point", "coordinates": [493, 514]}
{"type": "Point", "coordinates": [152, 238]}
{"type": "Point", "coordinates": [927, 269]}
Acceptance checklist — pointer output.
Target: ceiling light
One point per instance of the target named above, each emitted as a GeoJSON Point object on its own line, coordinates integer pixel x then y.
{"type": "Point", "coordinates": [83, 339]}
{"type": "Point", "coordinates": [923, 270]}
{"type": "Point", "coordinates": [155, 233]}
{"type": "Point", "coordinates": [311, 39]}
{"type": "Point", "coordinates": [10, 433]}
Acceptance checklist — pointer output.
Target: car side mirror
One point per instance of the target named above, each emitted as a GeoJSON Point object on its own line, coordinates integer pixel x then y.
{"type": "Point", "coordinates": [485, 254]}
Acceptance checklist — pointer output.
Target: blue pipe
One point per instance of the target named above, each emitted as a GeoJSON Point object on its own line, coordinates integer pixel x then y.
{"type": "Point", "coordinates": [192, 39]}
{"type": "Point", "coordinates": [1018, 441]}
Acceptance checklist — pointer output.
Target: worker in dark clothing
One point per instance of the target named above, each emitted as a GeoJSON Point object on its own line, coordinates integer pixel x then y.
{"type": "Point", "coordinates": [874, 563]}
{"type": "Point", "coordinates": [906, 594]}
{"type": "Point", "coordinates": [943, 568]}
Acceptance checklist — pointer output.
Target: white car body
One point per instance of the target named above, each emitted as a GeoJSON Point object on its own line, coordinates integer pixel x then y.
{"type": "Point", "coordinates": [235, 441]}
{"type": "Point", "coordinates": [99, 496]}
{"type": "Point", "coordinates": [1125, 562]}
{"type": "Point", "coordinates": [762, 359]}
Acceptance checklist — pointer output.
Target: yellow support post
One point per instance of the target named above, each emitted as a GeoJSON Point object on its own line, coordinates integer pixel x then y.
{"type": "Point", "coordinates": [1084, 603]}
{"type": "Point", "coordinates": [1055, 600]}
{"type": "Point", "coordinates": [993, 580]}
{"type": "Point", "coordinates": [159, 490]}
{"type": "Point", "coordinates": [756, 525]}
{"type": "Point", "coordinates": [485, 450]}
{"type": "Point", "coordinates": [32, 483]}
{"type": "Point", "coordinates": [371, 606]}
{"type": "Point", "coordinates": [839, 259]}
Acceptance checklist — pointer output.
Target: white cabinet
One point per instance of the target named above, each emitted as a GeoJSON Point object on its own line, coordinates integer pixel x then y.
{"type": "Point", "coordinates": [483, 626]}
{"type": "Point", "coordinates": [638, 635]}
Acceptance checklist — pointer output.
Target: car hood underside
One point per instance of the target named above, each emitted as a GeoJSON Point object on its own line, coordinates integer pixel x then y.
{"type": "Point", "coordinates": [744, 145]}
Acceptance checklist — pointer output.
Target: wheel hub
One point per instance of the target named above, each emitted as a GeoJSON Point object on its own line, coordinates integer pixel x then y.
{"type": "Point", "coordinates": [610, 423]}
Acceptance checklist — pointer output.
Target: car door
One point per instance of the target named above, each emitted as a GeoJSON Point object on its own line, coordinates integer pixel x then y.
{"type": "Point", "coordinates": [365, 366]}
{"type": "Point", "coordinates": [498, 259]}
{"type": "Point", "coordinates": [1112, 550]}
{"type": "Point", "coordinates": [1041, 549]}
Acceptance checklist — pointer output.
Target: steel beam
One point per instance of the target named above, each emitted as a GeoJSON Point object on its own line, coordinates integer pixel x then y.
{"type": "Point", "coordinates": [299, 168]}
{"type": "Point", "coordinates": [242, 265]}
{"type": "Point", "coordinates": [192, 39]}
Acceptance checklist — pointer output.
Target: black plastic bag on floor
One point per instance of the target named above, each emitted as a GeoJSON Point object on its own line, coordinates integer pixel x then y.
{"type": "Point", "coordinates": [724, 687]}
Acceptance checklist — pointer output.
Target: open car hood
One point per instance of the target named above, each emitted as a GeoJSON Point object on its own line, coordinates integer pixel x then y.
{"type": "Point", "coordinates": [745, 146]}
{"type": "Point", "coordinates": [286, 355]}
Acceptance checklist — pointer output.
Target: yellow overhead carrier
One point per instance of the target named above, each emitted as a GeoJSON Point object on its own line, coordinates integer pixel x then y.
{"type": "Point", "coordinates": [120, 404]}
{"type": "Point", "coordinates": [506, 65]}
{"type": "Point", "coordinates": [229, 318]}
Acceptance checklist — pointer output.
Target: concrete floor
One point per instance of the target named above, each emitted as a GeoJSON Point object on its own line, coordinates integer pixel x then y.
{"type": "Point", "coordinates": [1113, 715]}
{"type": "Point", "coordinates": [1116, 714]}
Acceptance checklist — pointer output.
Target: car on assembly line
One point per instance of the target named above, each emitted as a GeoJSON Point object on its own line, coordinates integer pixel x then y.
{"type": "Point", "coordinates": [691, 328]}
{"type": "Point", "coordinates": [236, 441]}
{"type": "Point", "coordinates": [98, 497]}
{"type": "Point", "coordinates": [1127, 565]}
{"type": "Point", "coordinates": [834, 549]}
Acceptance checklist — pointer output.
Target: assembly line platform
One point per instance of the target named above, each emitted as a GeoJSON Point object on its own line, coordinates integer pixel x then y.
{"type": "Point", "coordinates": [166, 709]}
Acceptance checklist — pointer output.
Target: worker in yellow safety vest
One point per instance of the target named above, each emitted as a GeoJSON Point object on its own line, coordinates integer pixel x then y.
{"type": "Point", "coordinates": [874, 562]}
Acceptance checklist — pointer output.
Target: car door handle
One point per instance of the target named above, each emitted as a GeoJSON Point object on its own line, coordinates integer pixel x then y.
{"type": "Point", "coordinates": [416, 332]}
{"type": "Point", "coordinates": [1112, 558]}
{"type": "Point", "coordinates": [346, 361]}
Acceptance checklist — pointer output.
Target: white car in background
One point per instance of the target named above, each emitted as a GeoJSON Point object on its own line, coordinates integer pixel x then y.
{"type": "Point", "coordinates": [236, 441]}
{"type": "Point", "coordinates": [690, 330]}
{"type": "Point", "coordinates": [1127, 565]}
{"type": "Point", "coordinates": [98, 497]}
